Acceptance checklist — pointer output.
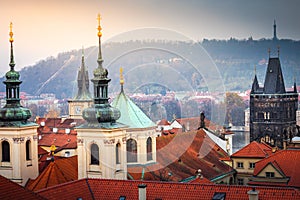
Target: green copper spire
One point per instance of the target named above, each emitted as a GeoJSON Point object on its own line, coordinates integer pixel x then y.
{"type": "Point", "coordinates": [83, 82]}
{"type": "Point", "coordinates": [13, 114]}
{"type": "Point", "coordinates": [101, 114]}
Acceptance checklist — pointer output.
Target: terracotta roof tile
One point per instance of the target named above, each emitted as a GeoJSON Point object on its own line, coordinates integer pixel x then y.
{"type": "Point", "coordinates": [113, 189]}
{"type": "Point", "coordinates": [10, 190]}
{"type": "Point", "coordinates": [182, 154]}
{"type": "Point", "coordinates": [254, 150]}
{"type": "Point", "coordinates": [286, 161]}
{"type": "Point", "coordinates": [57, 172]}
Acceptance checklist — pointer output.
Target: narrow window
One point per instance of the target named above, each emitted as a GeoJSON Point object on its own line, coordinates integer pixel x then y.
{"type": "Point", "coordinates": [94, 154]}
{"type": "Point", "coordinates": [28, 150]}
{"type": "Point", "coordinates": [131, 148]}
{"type": "Point", "coordinates": [251, 165]}
{"type": "Point", "coordinates": [149, 149]}
{"type": "Point", "coordinates": [240, 165]}
{"type": "Point", "coordinates": [5, 151]}
{"type": "Point", "coordinates": [240, 181]}
{"type": "Point", "coordinates": [118, 153]}
{"type": "Point", "coordinates": [270, 174]}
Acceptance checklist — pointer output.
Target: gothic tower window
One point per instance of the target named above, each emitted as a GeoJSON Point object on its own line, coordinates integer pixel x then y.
{"type": "Point", "coordinates": [28, 150]}
{"type": "Point", "coordinates": [94, 154]}
{"type": "Point", "coordinates": [118, 153]}
{"type": "Point", "coordinates": [149, 149]}
{"type": "Point", "coordinates": [131, 148]}
{"type": "Point", "coordinates": [5, 151]}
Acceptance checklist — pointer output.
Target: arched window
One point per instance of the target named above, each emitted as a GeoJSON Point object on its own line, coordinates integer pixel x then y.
{"type": "Point", "coordinates": [149, 149]}
{"type": "Point", "coordinates": [131, 148]}
{"type": "Point", "coordinates": [5, 151]}
{"type": "Point", "coordinates": [118, 153]}
{"type": "Point", "coordinates": [28, 150]}
{"type": "Point", "coordinates": [94, 154]}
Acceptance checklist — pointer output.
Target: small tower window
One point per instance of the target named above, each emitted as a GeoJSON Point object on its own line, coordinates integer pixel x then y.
{"type": "Point", "coordinates": [131, 148]}
{"type": "Point", "coordinates": [118, 153]}
{"type": "Point", "coordinates": [149, 149]}
{"type": "Point", "coordinates": [94, 154]}
{"type": "Point", "coordinates": [5, 151]}
{"type": "Point", "coordinates": [28, 150]}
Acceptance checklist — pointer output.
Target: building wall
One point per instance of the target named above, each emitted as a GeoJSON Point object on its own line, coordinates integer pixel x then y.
{"type": "Point", "coordinates": [273, 116]}
{"type": "Point", "coordinates": [19, 169]}
{"type": "Point", "coordinates": [76, 107]}
{"type": "Point", "coordinates": [106, 139]}
{"type": "Point", "coordinates": [246, 172]}
{"type": "Point", "coordinates": [141, 136]}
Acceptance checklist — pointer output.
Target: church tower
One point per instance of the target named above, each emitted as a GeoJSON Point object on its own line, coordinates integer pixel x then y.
{"type": "Point", "coordinates": [83, 98]}
{"type": "Point", "coordinates": [101, 141]}
{"type": "Point", "coordinates": [272, 108]}
{"type": "Point", "coordinates": [18, 136]}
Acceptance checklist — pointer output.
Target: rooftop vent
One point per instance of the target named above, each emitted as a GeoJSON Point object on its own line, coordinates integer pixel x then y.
{"type": "Point", "coordinates": [54, 130]}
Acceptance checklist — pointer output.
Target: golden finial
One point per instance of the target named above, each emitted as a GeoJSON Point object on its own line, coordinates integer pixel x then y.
{"type": "Point", "coordinates": [99, 26]}
{"type": "Point", "coordinates": [255, 69]}
{"type": "Point", "coordinates": [121, 76]}
{"type": "Point", "coordinates": [11, 39]}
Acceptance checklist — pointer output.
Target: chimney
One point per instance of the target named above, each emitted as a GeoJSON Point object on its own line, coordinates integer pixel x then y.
{"type": "Point", "coordinates": [253, 194]}
{"type": "Point", "coordinates": [142, 191]}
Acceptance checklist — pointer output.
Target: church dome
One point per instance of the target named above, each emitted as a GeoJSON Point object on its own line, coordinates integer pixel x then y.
{"type": "Point", "coordinates": [8, 114]}
{"type": "Point", "coordinates": [101, 113]}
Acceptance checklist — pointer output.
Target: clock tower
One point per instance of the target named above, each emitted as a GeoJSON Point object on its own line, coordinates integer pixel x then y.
{"type": "Point", "coordinates": [83, 98]}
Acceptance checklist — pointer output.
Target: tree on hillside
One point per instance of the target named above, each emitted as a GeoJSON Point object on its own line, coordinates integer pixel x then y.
{"type": "Point", "coordinates": [235, 107]}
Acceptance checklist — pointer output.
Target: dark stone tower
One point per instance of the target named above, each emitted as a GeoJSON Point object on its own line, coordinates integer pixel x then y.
{"type": "Point", "coordinates": [272, 108]}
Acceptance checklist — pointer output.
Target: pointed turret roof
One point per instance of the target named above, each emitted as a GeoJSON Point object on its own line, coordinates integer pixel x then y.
{"type": "Point", "coordinates": [131, 114]}
{"type": "Point", "coordinates": [83, 82]}
{"type": "Point", "coordinates": [274, 83]}
{"type": "Point", "coordinates": [255, 85]}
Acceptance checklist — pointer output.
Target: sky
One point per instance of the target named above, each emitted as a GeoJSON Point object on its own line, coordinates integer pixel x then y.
{"type": "Point", "coordinates": [44, 28]}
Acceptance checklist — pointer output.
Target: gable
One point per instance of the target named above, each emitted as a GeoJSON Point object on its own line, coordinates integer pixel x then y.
{"type": "Point", "coordinates": [271, 168]}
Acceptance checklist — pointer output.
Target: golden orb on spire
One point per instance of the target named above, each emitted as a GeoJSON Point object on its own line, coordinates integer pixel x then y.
{"type": "Point", "coordinates": [99, 26]}
{"type": "Point", "coordinates": [11, 39]}
{"type": "Point", "coordinates": [121, 76]}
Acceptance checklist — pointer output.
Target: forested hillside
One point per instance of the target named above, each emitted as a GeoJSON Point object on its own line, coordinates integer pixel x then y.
{"type": "Point", "coordinates": [177, 66]}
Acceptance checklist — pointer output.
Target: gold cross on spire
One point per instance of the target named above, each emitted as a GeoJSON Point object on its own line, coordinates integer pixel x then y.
{"type": "Point", "coordinates": [121, 76]}
{"type": "Point", "coordinates": [11, 39]}
{"type": "Point", "coordinates": [99, 26]}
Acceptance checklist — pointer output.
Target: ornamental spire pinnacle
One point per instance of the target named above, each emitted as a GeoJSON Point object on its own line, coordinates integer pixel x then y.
{"type": "Point", "coordinates": [100, 60]}
{"type": "Point", "coordinates": [121, 78]}
{"type": "Point", "coordinates": [11, 40]}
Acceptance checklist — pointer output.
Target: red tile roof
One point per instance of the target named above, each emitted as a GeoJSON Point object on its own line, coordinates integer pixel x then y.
{"type": "Point", "coordinates": [253, 150]}
{"type": "Point", "coordinates": [164, 122]}
{"type": "Point", "coordinates": [114, 189]}
{"type": "Point", "coordinates": [182, 154]}
{"type": "Point", "coordinates": [59, 171]}
{"type": "Point", "coordinates": [285, 161]}
{"type": "Point", "coordinates": [10, 190]}
{"type": "Point", "coordinates": [58, 140]}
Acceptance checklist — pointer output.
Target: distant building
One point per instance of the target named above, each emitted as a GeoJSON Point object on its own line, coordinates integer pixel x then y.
{"type": "Point", "coordinates": [272, 108]}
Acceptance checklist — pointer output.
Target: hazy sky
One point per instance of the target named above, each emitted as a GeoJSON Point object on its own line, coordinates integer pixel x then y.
{"type": "Point", "coordinates": [43, 28]}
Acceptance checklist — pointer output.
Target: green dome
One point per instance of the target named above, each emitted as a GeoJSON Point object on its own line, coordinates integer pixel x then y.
{"type": "Point", "coordinates": [12, 75]}
{"type": "Point", "coordinates": [101, 113]}
{"type": "Point", "coordinates": [13, 114]}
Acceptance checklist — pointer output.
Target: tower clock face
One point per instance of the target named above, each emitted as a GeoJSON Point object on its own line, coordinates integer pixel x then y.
{"type": "Point", "coordinates": [78, 109]}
